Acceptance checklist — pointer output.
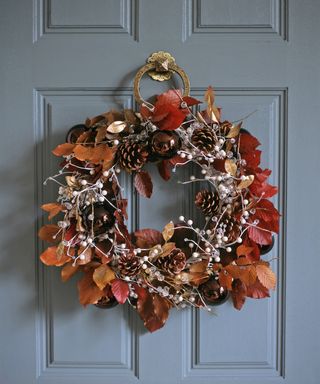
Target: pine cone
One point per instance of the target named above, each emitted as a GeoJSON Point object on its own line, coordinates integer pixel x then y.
{"type": "Point", "coordinates": [203, 138]}
{"type": "Point", "coordinates": [207, 201]}
{"type": "Point", "coordinates": [231, 229]}
{"type": "Point", "coordinates": [225, 127]}
{"type": "Point", "coordinates": [129, 265]}
{"type": "Point", "coordinates": [173, 263]}
{"type": "Point", "coordinates": [132, 156]}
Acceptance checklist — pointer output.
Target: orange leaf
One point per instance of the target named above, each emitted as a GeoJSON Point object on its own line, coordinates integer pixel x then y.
{"type": "Point", "coordinates": [82, 152]}
{"type": "Point", "coordinates": [103, 275]}
{"type": "Point", "coordinates": [101, 153]}
{"type": "Point", "coordinates": [225, 280]}
{"type": "Point", "coordinates": [266, 276]}
{"type": "Point", "coordinates": [243, 250]}
{"type": "Point", "coordinates": [49, 233]}
{"type": "Point", "coordinates": [63, 149]}
{"type": "Point", "coordinates": [52, 208]}
{"type": "Point", "coordinates": [50, 257]}
{"type": "Point", "coordinates": [68, 271]}
{"type": "Point", "coordinates": [89, 293]}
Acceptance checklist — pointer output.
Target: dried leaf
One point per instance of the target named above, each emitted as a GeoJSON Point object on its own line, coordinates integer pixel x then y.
{"type": "Point", "coordinates": [200, 266]}
{"type": "Point", "coordinates": [245, 183]}
{"type": "Point", "coordinates": [52, 208]}
{"type": "Point", "coordinates": [103, 275]}
{"type": "Point", "coordinates": [225, 280]}
{"type": "Point", "coordinates": [50, 257]}
{"type": "Point", "coordinates": [147, 238]}
{"type": "Point", "coordinates": [63, 149]}
{"type": "Point", "coordinates": [266, 276]}
{"type": "Point", "coordinates": [231, 167]}
{"type": "Point", "coordinates": [68, 271]}
{"type": "Point", "coordinates": [168, 231]}
{"type": "Point", "coordinates": [243, 250]}
{"type": "Point", "coordinates": [120, 290]}
{"type": "Point", "coordinates": [239, 292]}
{"type": "Point", "coordinates": [234, 131]}
{"type": "Point", "coordinates": [212, 111]}
{"type": "Point", "coordinates": [89, 293]}
{"type": "Point", "coordinates": [86, 255]}
{"type": "Point", "coordinates": [130, 116]}
{"type": "Point", "coordinates": [257, 291]}
{"type": "Point", "coordinates": [49, 233]}
{"type": "Point", "coordinates": [143, 183]}
{"type": "Point", "coordinates": [101, 134]}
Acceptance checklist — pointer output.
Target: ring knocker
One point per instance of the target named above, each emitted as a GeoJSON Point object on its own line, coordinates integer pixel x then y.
{"type": "Point", "coordinates": [160, 67]}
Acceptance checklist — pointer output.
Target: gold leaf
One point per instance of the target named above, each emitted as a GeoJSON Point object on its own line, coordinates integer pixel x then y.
{"type": "Point", "coordinates": [234, 131]}
{"type": "Point", "coordinates": [231, 167]}
{"type": "Point", "coordinates": [168, 231]}
{"type": "Point", "coordinates": [246, 182]}
{"type": "Point", "coordinates": [167, 248]}
{"type": "Point", "coordinates": [201, 118]}
{"type": "Point", "coordinates": [116, 127]}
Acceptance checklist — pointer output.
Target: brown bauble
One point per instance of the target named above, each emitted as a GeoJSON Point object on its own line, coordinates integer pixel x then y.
{"type": "Point", "coordinates": [210, 292]}
{"type": "Point", "coordinates": [102, 218]}
{"type": "Point", "coordinates": [75, 132]}
{"type": "Point", "coordinates": [164, 144]}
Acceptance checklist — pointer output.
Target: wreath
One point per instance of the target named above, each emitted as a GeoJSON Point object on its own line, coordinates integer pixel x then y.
{"type": "Point", "coordinates": [183, 265]}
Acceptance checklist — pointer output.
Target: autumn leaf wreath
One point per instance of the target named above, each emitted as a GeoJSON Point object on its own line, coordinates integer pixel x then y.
{"type": "Point", "coordinates": [183, 265]}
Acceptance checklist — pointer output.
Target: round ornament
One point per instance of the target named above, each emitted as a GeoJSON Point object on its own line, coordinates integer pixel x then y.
{"type": "Point", "coordinates": [190, 262]}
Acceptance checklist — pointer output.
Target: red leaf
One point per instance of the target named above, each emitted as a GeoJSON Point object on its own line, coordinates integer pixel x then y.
{"type": "Point", "coordinates": [120, 290]}
{"type": "Point", "coordinates": [252, 159]}
{"type": "Point", "coordinates": [239, 292]}
{"type": "Point", "coordinates": [191, 101]}
{"type": "Point", "coordinates": [248, 143]}
{"type": "Point", "coordinates": [164, 169]}
{"type": "Point", "coordinates": [257, 291]}
{"type": "Point", "coordinates": [168, 117]}
{"type": "Point", "coordinates": [171, 97]}
{"type": "Point", "coordinates": [260, 236]}
{"type": "Point", "coordinates": [143, 183]}
{"type": "Point", "coordinates": [147, 238]}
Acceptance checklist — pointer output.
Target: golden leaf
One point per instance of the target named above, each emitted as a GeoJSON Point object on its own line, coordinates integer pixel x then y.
{"type": "Point", "coordinates": [60, 251]}
{"type": "Point", "coordinates": [168, 231]}
{"type": "Point", "coordinates": [116, 127]}
{"type": "Point", "coordinates": [246, 182]}
{"type": "Point", "coordinates": [103, 275]}
{"type": "Point", "coordinates": [201, 118]}
{"type": "Point", "coordinates": [234, 131]}
{"type": "Point", "coordinates": [167, 248]}
{"type": "Point", "coordinates": [231, 167]}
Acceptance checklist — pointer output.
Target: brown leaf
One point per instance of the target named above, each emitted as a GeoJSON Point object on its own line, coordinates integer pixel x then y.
{"type": "Point", "coordinates": [225, 279]}
{"type": "Point", "coordinates": [103, 275]}
{"type": "Point", "coordinates": [168, 231]}
{"type": "Point", "coordinates": [239, 292]}
{"type": "Point", "coordinates": [89, 293]}
{"type": "Point", "coordinates": [52, 208]}
{"type": "Point", "coordinates": [152, 308]}
{"type": "Point", "coordinates": [147, 238]}
{"type": "Point", "coordinates": [86, 255]}
{"type": "Point", "coordinates": [130, 116]}
{"type": "Point", "coordinates": [257, 291]}
{"type": "Point", "coordinates": [266, 276]}
{"type": "Point", "coordinates": [200, 266]}
{"type": "Point", "coordinates": [101, 134]}
{"type": "Point", "coordinates": [143, 183]}
{"type": "Point", "coordinates": [50, 257]}
{"type": "Point", "coordinates": [231, 167]}
{"type": "Point", "coordinates": [68, 271]}
{"type": "Point", "coordinates": [167, 248]}
{"type": "Point", "coordinates": [63, 149]}
{"type": "Point", "coordinates": [243, 250]}
{"type": "Point", "coordinates": [49, 233]}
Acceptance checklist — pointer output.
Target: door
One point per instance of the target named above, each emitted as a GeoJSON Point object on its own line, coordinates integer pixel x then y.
{"type": "Point", "coordinates": [65, 60]}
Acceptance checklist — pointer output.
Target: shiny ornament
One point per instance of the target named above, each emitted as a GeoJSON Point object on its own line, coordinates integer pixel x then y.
{"type": "Point", "coordinates": [165, 144]}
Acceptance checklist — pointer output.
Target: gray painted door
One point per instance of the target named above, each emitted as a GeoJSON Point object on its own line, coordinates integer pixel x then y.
{"type": "Point", "coordinates": [64, 60]}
